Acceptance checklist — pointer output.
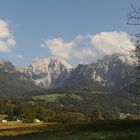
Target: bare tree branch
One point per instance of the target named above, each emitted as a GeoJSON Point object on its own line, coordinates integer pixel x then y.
{"type": "Point", "coordinates": [133, 17]}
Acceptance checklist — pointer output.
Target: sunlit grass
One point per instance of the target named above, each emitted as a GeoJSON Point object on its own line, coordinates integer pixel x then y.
{"type": "Point", "coordinates": [13, 128]}
{"type": "Point", "coordinates": [49, 97]}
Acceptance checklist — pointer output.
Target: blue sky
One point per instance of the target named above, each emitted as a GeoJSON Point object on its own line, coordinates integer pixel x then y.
{"type": "Point", "coordinates": [42, 28]}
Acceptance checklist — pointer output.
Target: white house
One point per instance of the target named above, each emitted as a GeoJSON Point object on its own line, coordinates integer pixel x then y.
{"type": "Point", "coordinates": [36, 120]}
{"type": "Point", "coordinates": [3, 121]}
{"type": "Point", "coordinates": [18, 120]}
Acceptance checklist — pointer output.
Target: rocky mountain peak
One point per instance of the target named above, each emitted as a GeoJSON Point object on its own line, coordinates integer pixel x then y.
{"type": "Point", "coordinates": [6, 66]}
{"type": "Point", "coordinates": [126, 59]}
{"type": "Point", "coordinates": [44, 72]}
{"type": "Point", "coordinates": [51, 62]}
{"type": "Point", "coordinates": [3, 61]}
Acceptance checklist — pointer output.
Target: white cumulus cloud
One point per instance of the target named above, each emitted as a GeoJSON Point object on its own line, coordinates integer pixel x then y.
{"type": "Point", "coordinates": [112, 42]}
{"type": "Point", "coordinates": [90, 47]}
{"type": "Point", "coordinates": [7, 40]}
{"type": "Point", "coordinates": [10, 42]}
{"type": "Point", "coordinates": [83, 53]}
{"type": "Point", "coordinates": [59, 47]}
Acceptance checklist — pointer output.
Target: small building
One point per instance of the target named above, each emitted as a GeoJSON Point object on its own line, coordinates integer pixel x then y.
{"type": "Point", "coordinates": [37, 120]}
{"type": "Point", "coordinates": [18, 120]}
{"type": "Point", "coordinates": [3, 121]}
{"type": "Point", "coordinates": [3, 118]}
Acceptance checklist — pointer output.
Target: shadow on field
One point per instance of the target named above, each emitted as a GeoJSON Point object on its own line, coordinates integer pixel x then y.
{"type": "Point", "coordinates": [112, 125]}
{"type": "Point", "coordinates": [106, 130]}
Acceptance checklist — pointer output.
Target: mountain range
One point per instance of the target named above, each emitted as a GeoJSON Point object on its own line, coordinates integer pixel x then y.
{"type": "Point", "coordinates": [111, 70]}
{"type": "Point", "coordinates": [54, 72]}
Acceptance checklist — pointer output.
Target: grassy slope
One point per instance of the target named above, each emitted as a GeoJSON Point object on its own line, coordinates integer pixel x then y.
{"type": "Point", "coordinates": [11, 85]}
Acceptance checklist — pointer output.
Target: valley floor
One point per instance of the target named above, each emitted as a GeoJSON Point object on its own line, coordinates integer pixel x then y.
{"type": "Point", "coordinates": [107, 130]}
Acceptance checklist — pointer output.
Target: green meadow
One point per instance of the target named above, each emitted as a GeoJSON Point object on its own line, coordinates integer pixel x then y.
{"type": "Point", "coordinates": [55, 97]}
{"type": "Point", "coordinates": [49, 97]}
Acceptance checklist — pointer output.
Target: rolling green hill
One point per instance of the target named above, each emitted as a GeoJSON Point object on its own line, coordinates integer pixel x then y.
{"type": "Point", "coordinates": [86, 99]}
